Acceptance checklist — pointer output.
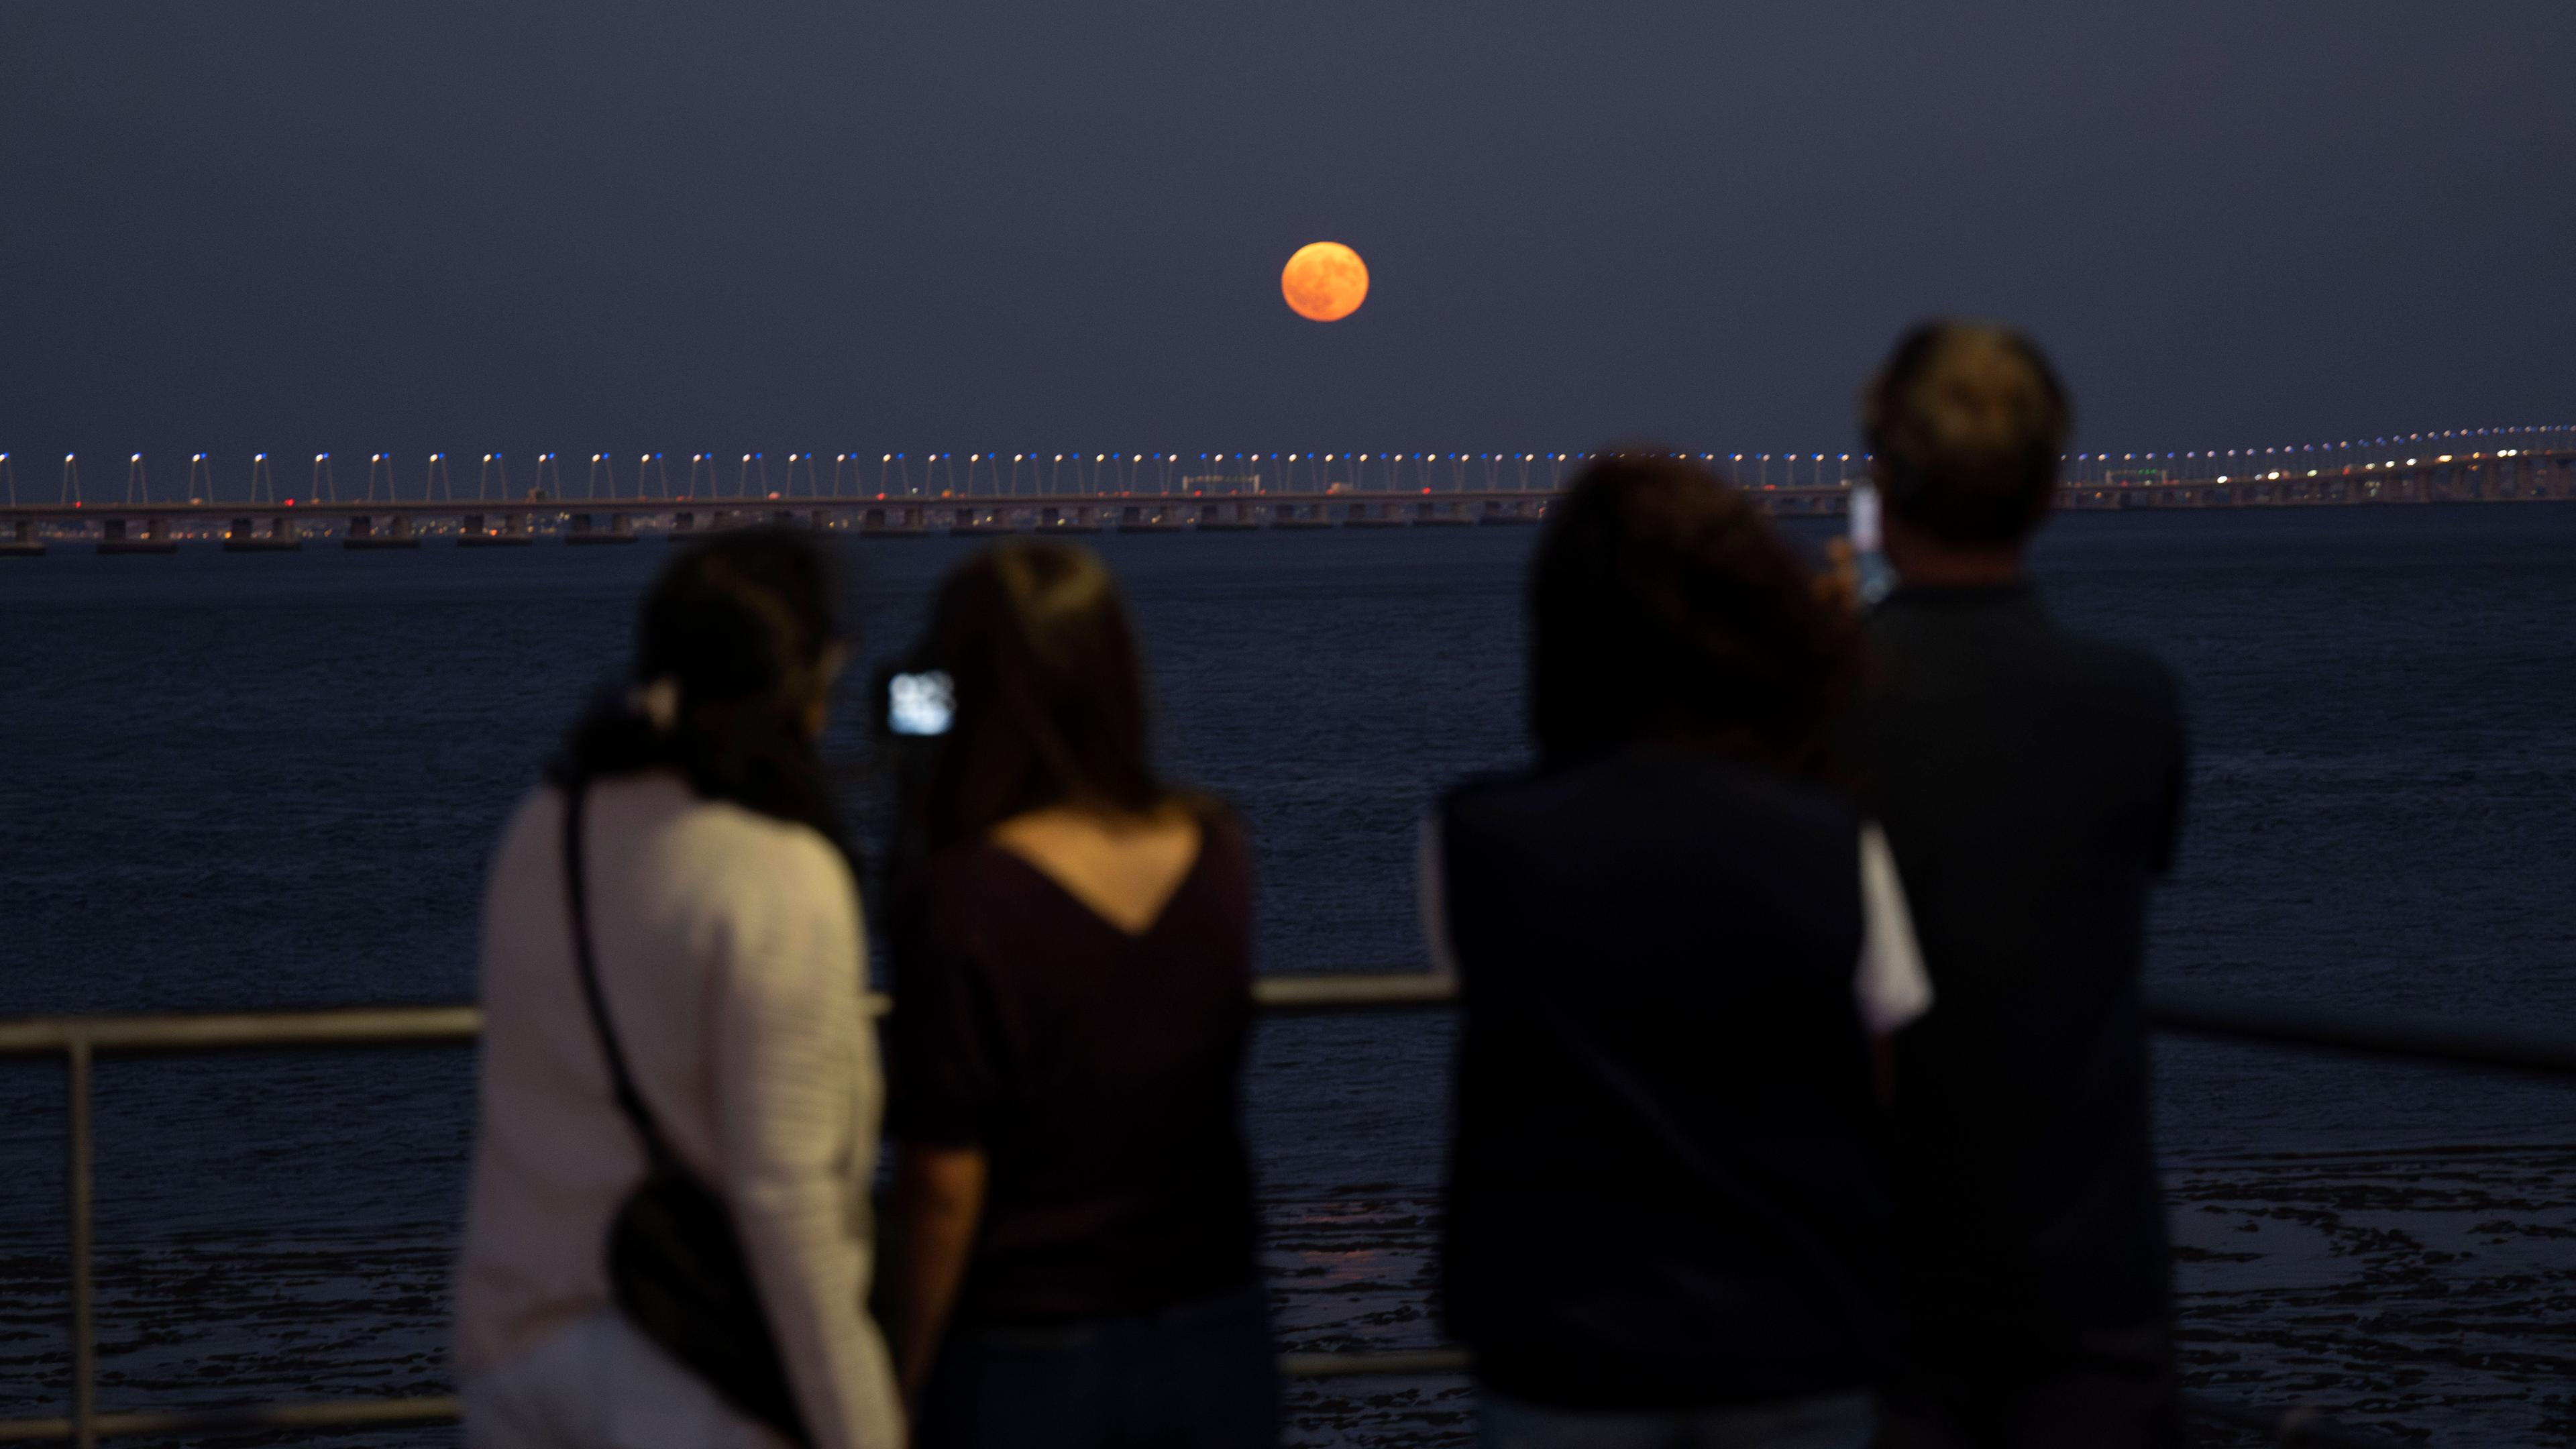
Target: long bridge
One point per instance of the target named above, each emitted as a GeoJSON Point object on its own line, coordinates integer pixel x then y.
{"type": "Point", "coordinates": [1146, 493]}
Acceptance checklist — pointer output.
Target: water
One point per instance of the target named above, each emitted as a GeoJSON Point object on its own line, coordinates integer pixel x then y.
{"type": "Point", "coordinates": [266, 781]}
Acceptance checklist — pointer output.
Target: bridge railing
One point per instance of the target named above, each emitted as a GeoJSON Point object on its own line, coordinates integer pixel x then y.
{"type": "Point", "coordinates": [80, 1041]}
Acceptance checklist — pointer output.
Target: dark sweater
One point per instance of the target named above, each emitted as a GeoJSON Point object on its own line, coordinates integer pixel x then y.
{"type": "Point", "coordinates": [1100, 1072]}
{"type": "Point", "coordinates": [1663, 1191]}
{"type": "Point", "coordinates": [2030, 783]}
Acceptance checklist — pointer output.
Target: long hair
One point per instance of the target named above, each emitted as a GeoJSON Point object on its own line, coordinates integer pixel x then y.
{"type": "Point", "coordinates": [1662, 602]}
{"type": "Point", "coordinates": [1050, 691]}
{"type": "Point", "coordinates": [734, 650]}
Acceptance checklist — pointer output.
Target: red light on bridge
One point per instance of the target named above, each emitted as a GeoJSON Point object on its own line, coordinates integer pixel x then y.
{"type": "Point", "coordinates": [290, 503]}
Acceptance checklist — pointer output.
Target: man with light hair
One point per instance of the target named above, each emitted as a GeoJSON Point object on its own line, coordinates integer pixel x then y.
{"type": "Point", "coordinates": [2030, 783]}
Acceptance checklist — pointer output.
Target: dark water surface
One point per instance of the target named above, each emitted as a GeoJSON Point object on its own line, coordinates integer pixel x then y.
{"type": "Point", "coordinates": [268, 781]}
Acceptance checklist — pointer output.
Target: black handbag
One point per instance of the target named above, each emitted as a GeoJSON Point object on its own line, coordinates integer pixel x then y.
{"type": "Point", "coordinates": [676, 1267]}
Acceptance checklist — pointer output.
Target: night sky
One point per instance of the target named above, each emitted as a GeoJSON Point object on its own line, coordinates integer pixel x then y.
{"type": "Point", "coordinates": [522, 225]}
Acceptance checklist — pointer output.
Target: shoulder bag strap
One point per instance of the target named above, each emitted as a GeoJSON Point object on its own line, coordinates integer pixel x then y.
{"type": "Point", "coordinates": [621, 1081]}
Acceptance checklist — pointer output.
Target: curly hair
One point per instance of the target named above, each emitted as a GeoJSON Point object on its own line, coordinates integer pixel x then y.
{"type": "Point", "coordinates": [1663, 602]}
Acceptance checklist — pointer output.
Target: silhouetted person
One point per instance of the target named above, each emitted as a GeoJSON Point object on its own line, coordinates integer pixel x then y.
{"type": "Point", "coordinates": [724, 941]}
{"type": "Point", "coordinates": [1073, 998]}
{"type": "Point", "coordinates": [2030, 782]}
{"type": "Point", "coordinates": [1675, 940]}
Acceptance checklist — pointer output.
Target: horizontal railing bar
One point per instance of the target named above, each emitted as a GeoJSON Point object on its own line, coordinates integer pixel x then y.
{"type": "Point", "coordinates": [2366, 1036]}
{"type": "Point", "coordinates": [1283, 994]}
{"type": "Point", "coordinates": [329, 1414]}
{"type": "Point", "coordinates": [2291, 1426]}
{"type": "Point", "coordinates": [1353, 991]}
{"type": "Point", "coordinates": [223, 1031]}
{"type": "Point", "coordinates": [1397, 1361]}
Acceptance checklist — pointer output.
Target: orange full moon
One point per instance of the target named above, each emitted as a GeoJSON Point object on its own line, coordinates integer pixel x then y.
{"type": "Point", "coordinates": [1324, 282]}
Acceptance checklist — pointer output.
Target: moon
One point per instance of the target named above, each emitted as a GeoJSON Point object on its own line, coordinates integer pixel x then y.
{"type": "Point", "coordinates": [1324, 282]}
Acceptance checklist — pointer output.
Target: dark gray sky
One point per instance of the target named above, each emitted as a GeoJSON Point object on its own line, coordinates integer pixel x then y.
{"type": "Point", "coordinates": [641, 225]}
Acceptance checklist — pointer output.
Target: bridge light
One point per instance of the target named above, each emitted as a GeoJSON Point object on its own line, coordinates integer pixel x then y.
{"type": "Point", "coordinates": [137, 458]}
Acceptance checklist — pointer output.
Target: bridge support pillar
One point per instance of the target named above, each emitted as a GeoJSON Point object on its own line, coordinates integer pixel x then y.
{"type": "Point", "coordinates": [362, 533]}
{"type": "Point", "coordinates": [477, 531]}
{"type": "Point", "coordinates": [22, 541]}
{"type": "Point", "coordinates": [585, 529]}
{"type": "Point", "coordinates": [118, 537]}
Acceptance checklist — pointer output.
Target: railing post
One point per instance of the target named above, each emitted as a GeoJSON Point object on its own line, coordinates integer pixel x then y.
{"type": "Point", "coordinates": [76, 1059]}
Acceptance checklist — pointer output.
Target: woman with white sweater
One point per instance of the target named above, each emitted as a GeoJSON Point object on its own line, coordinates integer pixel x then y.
{"type": "Point", "coordinates": [673, 981]}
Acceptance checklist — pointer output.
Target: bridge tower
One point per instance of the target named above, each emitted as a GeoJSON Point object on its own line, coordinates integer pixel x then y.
{"type": "Point", "coordinates": [21, 541]}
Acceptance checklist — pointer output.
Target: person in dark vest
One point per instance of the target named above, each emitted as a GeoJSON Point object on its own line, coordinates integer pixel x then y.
{"type": "Point", "coordinates": [1675, 940]}
{"type": "Point", "coordinates": [2030, 782]}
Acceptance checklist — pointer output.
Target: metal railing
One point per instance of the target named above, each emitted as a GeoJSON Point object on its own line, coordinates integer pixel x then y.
{"type": "Point", "coordinates": [81, 1040]}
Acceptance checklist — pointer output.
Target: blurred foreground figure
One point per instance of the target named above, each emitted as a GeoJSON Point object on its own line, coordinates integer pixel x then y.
{"type": "Point", "coordinates": [1073, 988]}
{"type": "Point", "coordinates": [717, 924]}
{"type": "Point", "coordinates": [2030, 782]}
{"type": "Point", "coordinates": [1675, 941]}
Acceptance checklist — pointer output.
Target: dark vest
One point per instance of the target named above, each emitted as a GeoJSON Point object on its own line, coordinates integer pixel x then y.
{"type": "Point", "coordinates": [1664, 1187]}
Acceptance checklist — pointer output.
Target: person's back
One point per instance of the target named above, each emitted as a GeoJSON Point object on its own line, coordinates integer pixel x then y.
{"type": "Point", "coordinates": [1674, 939]}
{"type": "Point", "coordinates": [723, 932]}
{"type": "Point", "coordinates": [2030, 783]}
{"type": "Point", "coordinates": [1663, 1192]}
{"type": "Point", "coordinates": [1073, 1000]}
{"type": "Point", "coordinates": [1079, 1011]}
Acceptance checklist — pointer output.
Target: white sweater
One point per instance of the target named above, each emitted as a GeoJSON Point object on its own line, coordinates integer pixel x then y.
{"type": "Point", "coordinates": [729, 952]}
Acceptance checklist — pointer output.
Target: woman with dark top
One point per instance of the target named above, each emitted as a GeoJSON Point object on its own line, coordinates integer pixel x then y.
{"type": "Point", "coordinates": [1675, 942]}
{"type": "Point", "coordinates": [1073, 988]}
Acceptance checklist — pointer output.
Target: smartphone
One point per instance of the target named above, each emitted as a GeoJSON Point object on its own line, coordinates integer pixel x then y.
{"type": "Point", "coordinates": [1869, 554]}
{"type": "Point", "coordinates": [920, 703]}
